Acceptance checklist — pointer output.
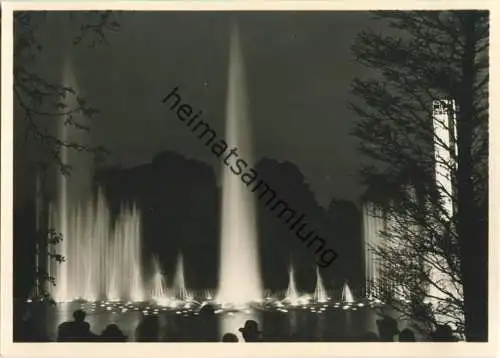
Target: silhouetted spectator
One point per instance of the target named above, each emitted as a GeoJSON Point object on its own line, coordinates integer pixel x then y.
{"type": "Point", "coordinates": [387, 329]}
{"type": "Point", "coordinates": [113, 334]}
{"type": "Point", "coordinates": [207, 310]}
{"type": "Point", "coordinates": [229, 337]}
{"type": "Point", "coordinates": [406, 335]}
{"type": "Point", "coordinates": [77, 330]}
{"type": "Point", "coordinates": [25, 329]}
{"type": "Point", "coordinates": [443, 333]}
{"type": "Point", "coordinates": [207, 325]}
{"type": "Point", "coordinates": [23, 324]}
{"type": "Point", "coordinates": [148, 329]}
{"type": "Point", "coordinates": [251, 331]}
{"type": "Point", "coordinates": [369, 337]}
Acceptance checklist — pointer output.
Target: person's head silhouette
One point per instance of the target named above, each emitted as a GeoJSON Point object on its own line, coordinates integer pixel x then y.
{"type": "Point", "coordinates": [406, 335]}
{"type": "Point", "coordinates": [369, 337]}
{"type": "Point", "coordinates": [229, 337]}
{"type": "Point", "coordinates": [111, 329]}
{"type": "Point", "coordinates": [207, 310]}
{"type": "Point", "coordinates": [443, 333]}
{"type": "Point", "coordinates": [79, 315]}
{"type": "Point", "coordinates": [387, 328]}
{"type": "Point", "coordinates": [250, 331]}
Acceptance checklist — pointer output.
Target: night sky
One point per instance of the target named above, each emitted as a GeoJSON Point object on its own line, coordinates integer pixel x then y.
{"type": "Point", "coordinates": [299, 70]}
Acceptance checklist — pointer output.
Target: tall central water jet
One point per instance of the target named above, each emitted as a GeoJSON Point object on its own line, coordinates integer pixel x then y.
{"type": "Point", "coordinates": [239, 278]}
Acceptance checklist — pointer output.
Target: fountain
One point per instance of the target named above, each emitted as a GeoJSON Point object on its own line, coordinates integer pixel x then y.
{"type": "Point", "coordinates": [180, 290]}
{"type": "Point", "coordinates": [347, 296]}
{"type": "Point", "coordinates": [373, 225]}
{"type": "Point", "coordinates": [102, 260]}
{"type": "Point", "coordinates": [103, 250]}
{"type": "Point", "coordinates": [292, 296]}
{"type": "Point", "coordinates": [239, 252]}
{"type": "Point", "coordinates": [38, 226]}
{"type": "Point", "coordinates": [103, 256]}
{"type": "Point", "coordinates": [159, 292]}
{"type": "Point", "coordinates": [319, 292]}
{"type": "Point", "coordinates": [239, 276]}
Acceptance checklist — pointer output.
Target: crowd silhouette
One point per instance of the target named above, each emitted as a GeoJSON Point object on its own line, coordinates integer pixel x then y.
{"type": "Point", "coordinates": [78, 330]}
{"type": "Point", "coordinates": [148, 329]}
{"type": "Point", "coordinates": [388, 332]}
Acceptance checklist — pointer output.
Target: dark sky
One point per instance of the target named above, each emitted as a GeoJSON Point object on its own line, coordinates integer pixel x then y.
{"type": "Point", "coordinates": [299, 70]}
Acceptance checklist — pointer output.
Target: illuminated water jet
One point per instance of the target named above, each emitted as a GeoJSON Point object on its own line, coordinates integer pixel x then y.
{"type": "Point", "coordinates": [292, 296]}
{"type": "Point", "coordinates": [181, 292]}
{"type": "Point", "coordinates": [239, 253]}
{"type": "Point", "coordinates": [347, 296]}
{"type": "Point", "coordinates": [159, 292]}
{"type": "Point", "coordinates": [319, 292]}
{"type": "Point", "coordinates": [103, 256]}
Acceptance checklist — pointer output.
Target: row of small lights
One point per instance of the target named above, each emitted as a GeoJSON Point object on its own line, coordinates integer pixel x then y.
{"type": "Point", "coordinates": [173, 302]}
{"type": "Point", "coordinates": [189, 306]}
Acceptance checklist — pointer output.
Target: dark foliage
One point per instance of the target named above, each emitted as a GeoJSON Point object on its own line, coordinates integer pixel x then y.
{"type": "Point", "coordinates": [439, 56]}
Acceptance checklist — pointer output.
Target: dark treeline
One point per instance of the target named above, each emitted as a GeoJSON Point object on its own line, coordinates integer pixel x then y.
{"type": "Point", "coordinates": [180, 204]}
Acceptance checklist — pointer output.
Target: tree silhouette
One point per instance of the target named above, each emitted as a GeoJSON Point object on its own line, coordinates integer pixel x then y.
{"type": "Point", "coordinates": [39, 103]}
{"type": "Point", "coordinates": [434, 258]}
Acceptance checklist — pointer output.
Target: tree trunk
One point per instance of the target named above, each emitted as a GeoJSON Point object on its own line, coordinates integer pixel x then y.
{"type": "Point", "coordinates": [473, 244]}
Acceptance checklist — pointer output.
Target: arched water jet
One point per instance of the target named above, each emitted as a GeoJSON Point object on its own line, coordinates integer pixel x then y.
{"type": "Point", "coordinates": [239, 252]}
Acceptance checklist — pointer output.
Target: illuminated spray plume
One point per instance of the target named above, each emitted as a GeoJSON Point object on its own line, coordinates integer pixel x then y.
{"type": "Point", "coordinates": [373, 224]}
{"type": "Point", "coordinates": [103, 257]}
{"type": "Point", "coordinates": [347, 296]}
{"type": "Point", "coordinates": [180, 284]}
{"type": "Point", "coordinates": [239, 275]}
{"type": "Point", "coordinates": [59, 215]}
{"type": "Point", "coordinates": [159, 291]}
{"type": "Point", "coordinates": [239, 278]}
{"type": "Point", "coordinates": [319, 292]}
{"type": "Point", "coordinates": [445, 151]}
{"type": "Point", "coordinates": [38, 223]}
{"type": "Point", "coordinates": [101, 261]}
{"type": "Point", "coordinates": [292, 295]}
